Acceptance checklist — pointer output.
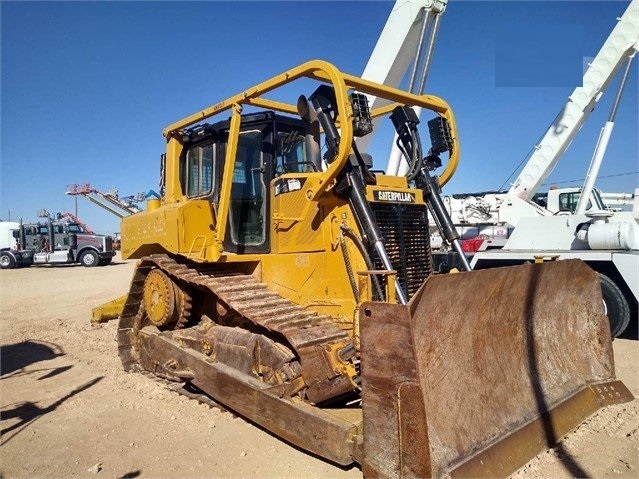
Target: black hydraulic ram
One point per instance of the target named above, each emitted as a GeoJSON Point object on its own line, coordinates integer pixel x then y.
{"type": "Point", "coordinates": [405, 121]}
{"type": "Point", "coordinates": [322, 101]}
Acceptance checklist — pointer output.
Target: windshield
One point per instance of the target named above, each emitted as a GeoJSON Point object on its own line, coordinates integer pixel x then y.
{"type": "Point", "coordinates": [75, 228]}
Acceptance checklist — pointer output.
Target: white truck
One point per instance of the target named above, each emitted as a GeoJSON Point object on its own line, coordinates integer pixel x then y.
{"type": "Point", "coordinates": [478, 214]}
{"type": "Point", "coordinates": [11, 255]}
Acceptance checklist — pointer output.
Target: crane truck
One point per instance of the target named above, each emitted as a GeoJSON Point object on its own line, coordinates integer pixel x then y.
{"type": "Point", "coordinates": [572, 223]}
{"type": "Point", "coordinates": [302, 296]}
{"type": "Point", "coordinates": [486, 220]}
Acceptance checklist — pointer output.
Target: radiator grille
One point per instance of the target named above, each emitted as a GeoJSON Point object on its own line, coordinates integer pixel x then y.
{"type": "Point", "coordinates": [407, 241]}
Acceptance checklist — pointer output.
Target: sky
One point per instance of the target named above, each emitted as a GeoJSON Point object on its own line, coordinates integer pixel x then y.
{"type": "Point", "coordinates": [87, 87]}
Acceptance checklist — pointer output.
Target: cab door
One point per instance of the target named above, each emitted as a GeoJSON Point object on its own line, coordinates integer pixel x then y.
{"type": "Point", "coordinates": [248, 209]}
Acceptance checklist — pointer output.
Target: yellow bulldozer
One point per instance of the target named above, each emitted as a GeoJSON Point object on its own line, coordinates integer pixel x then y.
{"type": "Point", "coordinates": [283, 277]}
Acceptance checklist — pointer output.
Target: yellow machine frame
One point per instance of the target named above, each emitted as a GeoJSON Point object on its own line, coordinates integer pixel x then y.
{"type": "Point", "coordinates": [196, 229]}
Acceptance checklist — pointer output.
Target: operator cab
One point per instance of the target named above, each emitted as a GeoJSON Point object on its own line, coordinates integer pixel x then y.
{"type": "Point", "coordinates": [269, 145]}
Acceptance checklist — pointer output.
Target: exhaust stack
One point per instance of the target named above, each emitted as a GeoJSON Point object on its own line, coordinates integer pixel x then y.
{"type": "Point", "coordinates": [311, 122]}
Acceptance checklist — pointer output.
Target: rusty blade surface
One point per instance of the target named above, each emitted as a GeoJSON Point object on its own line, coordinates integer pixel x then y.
{"type": "Point", "coordinates": [493, 351]}
{"type": "Point", "coordinates": [395, 442]}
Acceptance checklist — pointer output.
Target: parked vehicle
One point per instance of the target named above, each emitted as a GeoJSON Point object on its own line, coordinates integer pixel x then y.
{"type": "Point", "coordinates": [11, 256]}
{"type": "Point", "coordinates": [52, 242]}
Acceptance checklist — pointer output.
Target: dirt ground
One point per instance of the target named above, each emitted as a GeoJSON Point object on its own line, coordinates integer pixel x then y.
{"type": "Point", "coordinates": [69, 410]}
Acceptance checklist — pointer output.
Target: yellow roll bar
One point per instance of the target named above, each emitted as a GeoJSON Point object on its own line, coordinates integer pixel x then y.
{"type": "Point", "coordinates": [341, 82]}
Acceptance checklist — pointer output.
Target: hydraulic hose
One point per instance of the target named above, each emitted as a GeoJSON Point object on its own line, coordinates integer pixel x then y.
{"type": "Point", "coordinates": [405, 121]}
{"type": "Point", "coordinates": [349, 266]}
{"type": "Point", "coordinates": [367, 259]}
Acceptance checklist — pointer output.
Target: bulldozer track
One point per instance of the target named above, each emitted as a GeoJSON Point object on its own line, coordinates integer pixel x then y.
{"type": "Point", "coordinates": [304, 330]}
{"type": "Point", "coordinates": [188, 391]}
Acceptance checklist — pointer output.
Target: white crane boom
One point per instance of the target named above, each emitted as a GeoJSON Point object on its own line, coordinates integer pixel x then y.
{"type": "Point", "coordinates": [400, 44]}
{"type": "Point", "coordinates": [396, 45]}
{"type": "Point", "coordinates": [602, 145]}
{"type": "Point", "coordinates": [620, 45]}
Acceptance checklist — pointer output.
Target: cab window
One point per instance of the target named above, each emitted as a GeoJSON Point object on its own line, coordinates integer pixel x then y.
{"type": "Point", "coordinates": [197, 175]}
{"type": "Point", "coordinates": [291, 156]}
{"type": "Point", "coordinates": [569, 201]}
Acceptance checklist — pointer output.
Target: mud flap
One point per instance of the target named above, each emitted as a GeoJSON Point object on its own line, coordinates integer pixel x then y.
{"type": "Point", "coordinates": [483, 370]}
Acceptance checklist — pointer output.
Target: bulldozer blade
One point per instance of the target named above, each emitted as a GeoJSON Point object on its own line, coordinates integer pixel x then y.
{"type": "Point", "coordinates": [483, 370]}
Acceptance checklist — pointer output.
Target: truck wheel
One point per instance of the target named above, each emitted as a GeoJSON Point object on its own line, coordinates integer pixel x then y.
{"type": "Point", "coordinates": [617, 308]}
{"type": "Point", "coordinates": [89, 258]}
{"type": "Point", "coordinates": [7, 261]}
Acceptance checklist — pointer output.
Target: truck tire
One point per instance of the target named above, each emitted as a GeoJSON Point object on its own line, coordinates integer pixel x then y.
{"type": "Point", "coordinates": [7, 261]}
{"type": "Point", "coordinates": [89, 258]}
{"type": "Point", "coordinates": [617, 308]}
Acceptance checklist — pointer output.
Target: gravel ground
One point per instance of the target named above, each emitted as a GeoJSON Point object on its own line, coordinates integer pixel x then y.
{"type": "Point", "coordinates": [69, 410]}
